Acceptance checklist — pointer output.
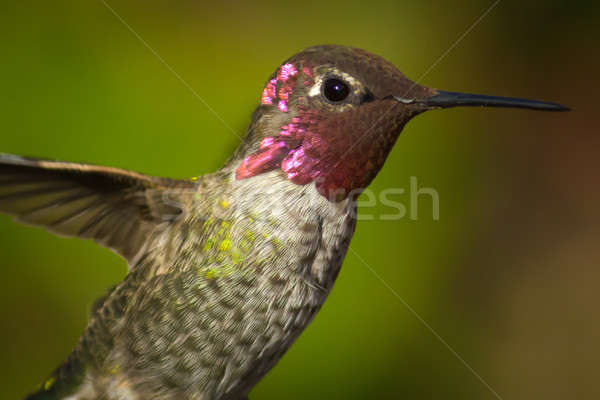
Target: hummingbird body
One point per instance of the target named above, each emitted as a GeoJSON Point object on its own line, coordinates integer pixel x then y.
{"type": "Point", "coordinates": [226, 270]}
{"type": "Point", "coordinates": [237, 284]}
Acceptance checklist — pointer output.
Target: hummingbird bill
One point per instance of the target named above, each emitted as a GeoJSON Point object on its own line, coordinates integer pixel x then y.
{"type": "Point", "coordinates": [226, 270]}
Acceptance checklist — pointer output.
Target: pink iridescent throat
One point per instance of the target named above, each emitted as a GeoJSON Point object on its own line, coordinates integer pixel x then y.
{"type": "Point", "coordinates": [284, 151]}
{"type": "Point", "coordinates": [302, 152]}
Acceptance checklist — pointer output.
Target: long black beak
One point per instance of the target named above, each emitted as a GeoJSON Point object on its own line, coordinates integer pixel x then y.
{"type": "Point", "coordinates": [445, 99]}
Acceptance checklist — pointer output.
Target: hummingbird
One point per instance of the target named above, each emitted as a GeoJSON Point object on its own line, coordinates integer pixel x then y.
{"type": "Point", "coordinates": [226, 270]}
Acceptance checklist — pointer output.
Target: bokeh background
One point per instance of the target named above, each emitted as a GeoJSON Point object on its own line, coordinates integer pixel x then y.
{"type": "Point", "coordinates": [509, 276]}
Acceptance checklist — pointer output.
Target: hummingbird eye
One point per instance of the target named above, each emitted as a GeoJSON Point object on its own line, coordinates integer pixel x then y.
{"type": "Point", "coordinates": [335, 90]}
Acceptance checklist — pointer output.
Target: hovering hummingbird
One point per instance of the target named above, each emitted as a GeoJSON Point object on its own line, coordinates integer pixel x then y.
{"type": "Point", "coordinates": [227, 269]}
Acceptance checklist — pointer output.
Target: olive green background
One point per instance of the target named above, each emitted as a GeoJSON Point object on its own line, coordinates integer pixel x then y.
{"type": "Point", "coordinates": [508, 277]}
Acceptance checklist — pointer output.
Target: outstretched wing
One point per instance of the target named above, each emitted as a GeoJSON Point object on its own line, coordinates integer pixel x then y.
{"type": "Point", "coordinates": [114, 207]}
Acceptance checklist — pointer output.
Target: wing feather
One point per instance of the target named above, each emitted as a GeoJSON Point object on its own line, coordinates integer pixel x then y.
{"type": "Point", "coordinates": [114, 207]}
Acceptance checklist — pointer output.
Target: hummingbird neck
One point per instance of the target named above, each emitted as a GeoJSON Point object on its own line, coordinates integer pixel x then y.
{"type": "Point", "coordinates": [314, 146]}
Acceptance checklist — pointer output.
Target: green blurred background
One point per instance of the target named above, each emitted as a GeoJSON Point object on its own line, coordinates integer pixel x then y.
{"type": "Point", "coordinates": [508, 276]}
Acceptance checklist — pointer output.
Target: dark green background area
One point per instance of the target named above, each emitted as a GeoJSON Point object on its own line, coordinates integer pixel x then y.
{"type": "Point", "coordinates": [508, 276]}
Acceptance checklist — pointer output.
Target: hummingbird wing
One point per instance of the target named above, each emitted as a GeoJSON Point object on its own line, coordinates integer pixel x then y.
{"type": "Point", "coordinates": [114, 207]}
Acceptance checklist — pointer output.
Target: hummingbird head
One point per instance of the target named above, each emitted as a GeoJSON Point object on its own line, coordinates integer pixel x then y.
{"type": "Point", "coordinates": [331, 114]}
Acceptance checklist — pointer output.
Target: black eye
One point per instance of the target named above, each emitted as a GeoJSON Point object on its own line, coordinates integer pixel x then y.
{"type": "Point", "coordinates": [335, 90]}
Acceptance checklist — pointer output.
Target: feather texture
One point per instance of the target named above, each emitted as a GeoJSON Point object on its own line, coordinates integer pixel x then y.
{"type": "Point", "coordinates": [114, 207]}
